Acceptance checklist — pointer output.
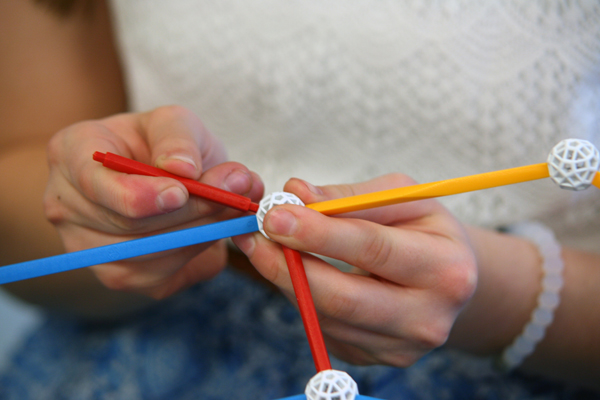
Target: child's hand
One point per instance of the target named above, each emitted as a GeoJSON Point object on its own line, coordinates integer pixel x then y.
{"type": "Point", "coordinates": [415, 270]}
{"type": "Point", "coordinates": [93, 206]}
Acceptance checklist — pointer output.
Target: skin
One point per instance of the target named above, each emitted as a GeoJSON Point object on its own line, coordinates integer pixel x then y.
{"type": "Point", "coordinates": [91, 205]}
{"type": "Point", "coordinates": [48, 63]}
{"type": "Point", "coordinates": [422, 279]}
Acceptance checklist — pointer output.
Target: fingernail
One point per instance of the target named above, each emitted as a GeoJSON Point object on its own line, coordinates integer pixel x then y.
{"type": "Point", "coordinates": [313, 188]}
{"type": "Point", "coordinates": [238, 181]}
{"type": "Point", "coordinates": [185, 159]}
{"type": "Point", "coordinates": [280, 222]}
{"type": "Point", "coordinates": [162, 160]}
{"type": "Point", "coordinates": [171, 199]}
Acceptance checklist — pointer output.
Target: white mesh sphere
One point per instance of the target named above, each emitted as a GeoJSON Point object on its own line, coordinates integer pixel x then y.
{"type": "Point", "coordinates": [272, 200]}
{"type": "Point", "coordinates": [331, 385]}
{"type": "Point", "coordinates": [573, 163]}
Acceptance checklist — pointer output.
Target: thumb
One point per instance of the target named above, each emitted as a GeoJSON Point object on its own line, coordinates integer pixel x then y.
{"type": "Point", "coordinates": [180, 143]}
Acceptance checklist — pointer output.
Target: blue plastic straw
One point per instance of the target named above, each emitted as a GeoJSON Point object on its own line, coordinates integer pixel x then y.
{"type": "Point", "coordinates": [129, 249]}
{"type": "Point", "coordinates": [303, 397]}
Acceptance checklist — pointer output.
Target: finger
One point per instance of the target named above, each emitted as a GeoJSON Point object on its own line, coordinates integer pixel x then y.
{"type": "Point", "coordinates": [309, 194]}
{"type": "Point", "coordinates": [135, 204]}
{"type": "Point", "coordinates": [128, 199]}
{"type": "Point", "coordinates": [337, 295]}
{"type": "Point", "coordinates": [368, 348]}
{"type": "Point", "coordinates": [179, 142]}
{"type": "Point", "coordinates": [201, 267]}
{"type": "Point", "coordinates": [148, 271]}
{"type": "Point", "coordinates": [365, 347]}
{"type": "Point", "coordinates": [79, 184]}
{"type": "Point", "coordinates": [407, 256]}
{"type": "Point", "coordinates": [366, 306]}
{"type": "Point", "coordinates": [111, 207]}
{"type": "Point", "coordinates": [166, 273]}
{"type": "Point", "coordinates": [365, 303]}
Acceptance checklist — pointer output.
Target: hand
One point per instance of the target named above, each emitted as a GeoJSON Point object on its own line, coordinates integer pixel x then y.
{"type": "Point", "coordinates": [415, 270]}
{"type": "Point", "coordinates": [93, 206]}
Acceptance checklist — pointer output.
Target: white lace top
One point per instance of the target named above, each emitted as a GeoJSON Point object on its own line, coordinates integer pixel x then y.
{"type": "Point", "coordinates": [343, 90]}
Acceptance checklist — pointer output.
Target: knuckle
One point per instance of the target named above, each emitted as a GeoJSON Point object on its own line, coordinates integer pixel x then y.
{"type": "Point", "coordinates": [53, 210]}
{"type": "Point", "coordinates": [271, 269]}
{"type": "Point", "coordinates": [133, 204]}
{"type": "Point", "coordinates": [398, 179]}
{"type": "Point", "coordinates": [53, 149]}
{"type": "Point", "coordinates": [121, 222]}
{"type": "Point", "coordinates": [341, 305]}
{"type": "Point", "coordinates": [127, 207]}
{"type": "Point", "coordinates": [351, 357]}
{"type": "Point", "coordinates": [171, 113]}
{"type": "Point", "coordinates": [203, 208]}
{"type": "Point", "coordinates": [125, 214]}
{"type": "Point", "coordinates": [346, 190]}
{"type": "Point", "coordinates": [460, 280]}
{"type": "Point", "coordinates": [160, 293]}
{"type": "Point", "coordinates": [73, 134]}
{"type": "Point", "coordinates": [374, 252]}
{"type": "Point", "coordinates": [122, 281]}
{"type": "Point", "coordinates": [426, 336]}
{"type": "Point", "coordinates": [433, 335]}
{"type": "Point", "coordinates": [399, 359]}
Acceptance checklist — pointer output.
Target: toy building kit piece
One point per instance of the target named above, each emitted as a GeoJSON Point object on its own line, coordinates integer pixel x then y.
{"type": "Point", "coordinates": [434, 189]}
{"type": "Point", "coordinates": [303, 397]}
{"type": "Point", "coordinates": [36, 268]}
{"type": "Point", "coordinates": [573, 164]}
{"type": "Point", "coordinates": [128, 249]}
{"type": "Point", "coordinates": [123, 164]}
{"type": "Point", "coordinates": [331, 385]}
{"type": "Point", "coordinates": [299, 281]}
{"type": "Point", "coordinates": [307, 309]}
{"type": "Point", "coordinates": [272, 200]}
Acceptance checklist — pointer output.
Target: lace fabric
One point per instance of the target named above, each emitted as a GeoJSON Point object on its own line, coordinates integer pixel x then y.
{"type": "Point", "coordinates": [337, 91]}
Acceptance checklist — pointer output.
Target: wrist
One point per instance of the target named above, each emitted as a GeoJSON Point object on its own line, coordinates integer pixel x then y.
{"type": "Point", "coordinates": [509, 283]}
{"type": "Point", "coordinates": [548, 299]}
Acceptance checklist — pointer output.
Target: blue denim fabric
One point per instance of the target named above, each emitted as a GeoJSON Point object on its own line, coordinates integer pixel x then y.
{"type": "Point", "coordinates": [229, 338]}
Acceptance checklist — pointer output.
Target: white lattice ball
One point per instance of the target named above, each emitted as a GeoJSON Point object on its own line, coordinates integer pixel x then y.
{"type": "Point", "coordinates": [272, 200]}
{"type": "Point", "coordinates": [573, 163]}
{"type": "Point", "coordinates": [331, 385]}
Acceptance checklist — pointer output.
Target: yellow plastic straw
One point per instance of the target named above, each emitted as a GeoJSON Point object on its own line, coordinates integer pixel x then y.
{"type": "Point", "coordinates": [435, 189]}
{"type": "Point", "coordinates": [596, 181]}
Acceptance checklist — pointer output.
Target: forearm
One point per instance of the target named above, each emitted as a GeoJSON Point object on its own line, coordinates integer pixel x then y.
{"type": "Point", "coordinates": [53, 73]}
{"type": "Point", "coordinates": [25, 234]}
{"type": "Point", "coordinates": [24, 231]}
{"type": "Point", "coordinates": [510, 276]}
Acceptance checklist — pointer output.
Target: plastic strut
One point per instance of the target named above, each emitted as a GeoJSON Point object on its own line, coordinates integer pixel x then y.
{"type": "Point", "coordinates": [307, 309]}
{"type": "Point", "coordinates": [435, 189]}
{"type": "Point", "coordinates": [303, 397]}
{"type": "Point", "coordinates": [220, 196]}
{"type": "Point", "coordinates": [129, 249]}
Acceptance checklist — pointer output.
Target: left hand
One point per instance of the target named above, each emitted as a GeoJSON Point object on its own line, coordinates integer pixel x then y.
{"type": "Point", "coordinates": [415, 270]}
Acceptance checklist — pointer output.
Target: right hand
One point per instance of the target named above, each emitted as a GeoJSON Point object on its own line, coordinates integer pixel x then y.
{"type": "Point", "coordinates": [92, 206]}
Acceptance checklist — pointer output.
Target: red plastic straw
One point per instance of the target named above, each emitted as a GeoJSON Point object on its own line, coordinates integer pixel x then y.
{"type": "Point", "coordinates": [293, 257]}
{"type": "Point", "coordinates": [220, 196]}
{"type": "Point", "coordinates": [307, 309]}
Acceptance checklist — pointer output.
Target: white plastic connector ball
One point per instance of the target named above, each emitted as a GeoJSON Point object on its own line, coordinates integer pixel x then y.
{"type": "Point", "coordinates": [272, 200]}
{"type": "Point", "coordinates": [573, 164]}
{"type": "Point", "coordinates": [331, 385]}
